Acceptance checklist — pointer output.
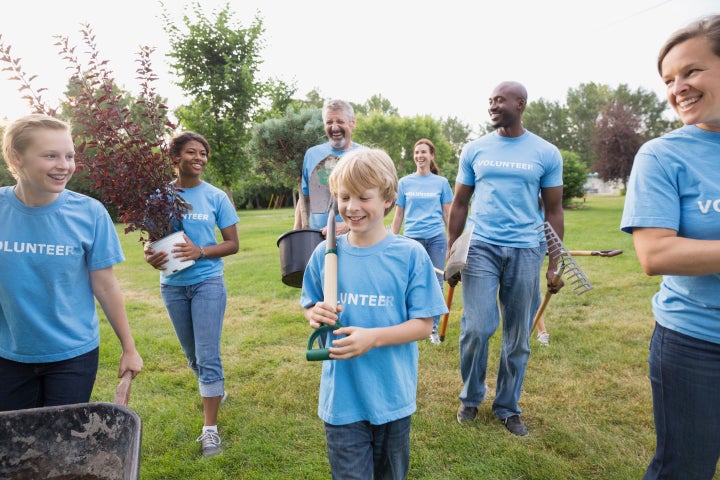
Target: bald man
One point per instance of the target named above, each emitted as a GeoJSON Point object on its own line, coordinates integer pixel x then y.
{"type": "Point", "coordinates": [503, 172]}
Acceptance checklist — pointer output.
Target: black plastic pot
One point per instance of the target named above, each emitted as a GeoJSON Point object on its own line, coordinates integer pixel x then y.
{"type": "Point", "coordinates": [80, 442]}
{"type": "Point", "coordinates": [296, 247]}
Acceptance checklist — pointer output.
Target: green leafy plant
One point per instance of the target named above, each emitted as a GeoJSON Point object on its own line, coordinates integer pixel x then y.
{"type": "Point", "coordinates": [124, 153]}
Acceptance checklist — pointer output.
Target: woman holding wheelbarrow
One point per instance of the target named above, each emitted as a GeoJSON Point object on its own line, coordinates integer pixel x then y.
{"type": "Point", "coordinates": [57, 251]}
{"type": "Point", "coordinates": [672, 211]}
{"type": "Point", "coordinates": [195, 297]}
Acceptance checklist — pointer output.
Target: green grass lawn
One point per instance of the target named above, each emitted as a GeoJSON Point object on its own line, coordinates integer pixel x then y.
{"type": "Point", "coordinates": [586, 397]}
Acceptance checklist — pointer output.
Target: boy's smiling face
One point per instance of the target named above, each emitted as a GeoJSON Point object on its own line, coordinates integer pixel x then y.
{"type": "Point", "coordinates": [364, 214]}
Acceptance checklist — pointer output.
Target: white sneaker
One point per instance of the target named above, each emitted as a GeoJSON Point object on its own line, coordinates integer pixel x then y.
{"type": "Point", "coordinates": [210, 443]}
{"type": "Point", "coordinates": [543, 338]}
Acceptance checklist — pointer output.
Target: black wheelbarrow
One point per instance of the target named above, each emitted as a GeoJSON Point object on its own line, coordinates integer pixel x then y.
{"type": "Point", "coordinates": [81, 442]}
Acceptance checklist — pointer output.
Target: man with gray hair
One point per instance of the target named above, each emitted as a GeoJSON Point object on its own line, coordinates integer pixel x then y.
{"type": "Point", "coordinates": [339, 120]}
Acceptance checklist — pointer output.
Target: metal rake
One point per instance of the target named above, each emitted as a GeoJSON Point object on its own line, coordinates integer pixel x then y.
{"type": "Point", "coordinates": [566, 265]}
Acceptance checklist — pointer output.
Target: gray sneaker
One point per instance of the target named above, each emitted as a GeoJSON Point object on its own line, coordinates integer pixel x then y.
{"type": "Point", "coordinates": [466, 414]}
{"type": "Point", "coordinates": [210, 443]}
{"type": "Point", "coordinates": [543, 338]}
{"type": "Point", "coordinates": [515, 425]}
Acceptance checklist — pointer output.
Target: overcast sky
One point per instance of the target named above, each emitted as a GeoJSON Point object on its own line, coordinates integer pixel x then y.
{"type": "Point", "coordinates": [440, 58]}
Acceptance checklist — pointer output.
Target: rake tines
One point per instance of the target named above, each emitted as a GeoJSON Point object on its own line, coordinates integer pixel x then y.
{"type": "Point", "coordinates": [575, 277]}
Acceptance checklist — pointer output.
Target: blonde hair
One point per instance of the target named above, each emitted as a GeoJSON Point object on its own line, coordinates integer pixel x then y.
{"type": "Point", "coordinates": [19, 135]}
{"type": "Point", "coordinates": [363, 169]}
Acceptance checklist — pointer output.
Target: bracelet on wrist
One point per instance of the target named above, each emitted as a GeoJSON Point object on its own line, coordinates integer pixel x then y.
{"type": "Point", "coordinates": [202, 252]}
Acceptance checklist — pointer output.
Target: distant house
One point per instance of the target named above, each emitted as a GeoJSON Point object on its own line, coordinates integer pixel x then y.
{"type": "Point", "coordinates": [595, 186]}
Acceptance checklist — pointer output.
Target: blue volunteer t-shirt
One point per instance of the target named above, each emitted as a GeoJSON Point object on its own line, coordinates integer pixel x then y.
{"type": "Point", "coordinates": [397, 283]}
{"type": "Point", "coordinates": [675, 184]}
{"type": "Point", "coordinates": [47, 307]}
{"type": "Point", "coordinates": [508, 173]}
{"type": "Point", "coordinates": [211, 207]}
{"type": "Point", "coordinates": [422, 198]}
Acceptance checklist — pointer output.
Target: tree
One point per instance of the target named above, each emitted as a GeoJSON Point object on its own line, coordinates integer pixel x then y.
{"type": "Point", "coordinates": [457, 133]}
{"type": "Point", "coordinates": [375, 104]}
{"type": "Point", "coordinates": [584, 104]}
{"type": "Point", "coordinates": [616, 140]}
{"type": "Point", "coordinates": [397, 136]}
{"type": "Point", "coordinates": [649, 108]}
{"type": "Point", "coordinates": [280, 99]}
{"type": "Point", "coordinates": [550, 121]}
{"type": "Point", "coordinates": [574, 177]}
{"type": "Point", "coordinates": [217, 64]}
{"type": "Point", "coordinates": [278, 146]}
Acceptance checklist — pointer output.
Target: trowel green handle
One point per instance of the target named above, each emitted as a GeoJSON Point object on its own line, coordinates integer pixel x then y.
{"type": "Point", "coordinates": [318, 354]}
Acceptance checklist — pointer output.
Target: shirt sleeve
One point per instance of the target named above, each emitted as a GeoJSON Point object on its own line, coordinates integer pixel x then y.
{"type": "Point", "coordinates": [652, 199]}
{"type": "Point", "coordinates": [105, 250]}
{"type": "Point", "coordinates": [466, 174]}
{"type": "Point", "coordinates": [447, 194]}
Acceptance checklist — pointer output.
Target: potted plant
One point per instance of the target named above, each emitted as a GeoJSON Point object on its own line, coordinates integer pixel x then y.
{"type": "Point", "coordinates": [121, 151]}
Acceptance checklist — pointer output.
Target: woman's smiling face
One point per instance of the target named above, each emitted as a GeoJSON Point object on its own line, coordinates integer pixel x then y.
{"type": "Point", "coordinates": [691, 72]}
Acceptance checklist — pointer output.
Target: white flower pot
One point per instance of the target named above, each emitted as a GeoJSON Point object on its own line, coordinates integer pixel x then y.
{"type": "Point", "coordinates": [166, 244]}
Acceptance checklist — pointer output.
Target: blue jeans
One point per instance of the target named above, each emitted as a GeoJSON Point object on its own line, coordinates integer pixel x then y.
{"type": "Point", "coordinates": [362, 451]}
{"type": "Point", "coordinates": [685, 379]}
{"type": "Point", "coordinates": [33, 385]}
{"type": "Point", "coordinates": [197, 313]}
{"type": "Point", "coordinates": [498, 282]}
{"type": "Point", "coordinates": [436, 247]}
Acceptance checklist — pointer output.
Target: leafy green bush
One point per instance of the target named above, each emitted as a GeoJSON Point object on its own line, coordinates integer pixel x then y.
{"type": "Point", "coordinates": [574, 176]}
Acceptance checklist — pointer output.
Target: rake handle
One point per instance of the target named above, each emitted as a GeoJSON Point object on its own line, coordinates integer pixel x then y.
{"type": "Point", "coordinates": [444, 321]}
{"type": "Point", "coordinates": [541, 310]}
{"type": "Point", "coordinates": [546, 300]}
{"type": "Point", "coordinates": [595, 253]}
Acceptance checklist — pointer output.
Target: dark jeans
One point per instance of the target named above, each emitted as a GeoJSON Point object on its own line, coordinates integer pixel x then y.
{"type": "Point", "coordinates": [685, 378]}
{"type": "Point", "coordinates": [32, 385]}
{"type": "Point", "coordinates": [362, 451]}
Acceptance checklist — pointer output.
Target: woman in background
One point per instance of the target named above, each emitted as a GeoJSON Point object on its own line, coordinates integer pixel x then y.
{"type": "Point", "coordinates": [423, 202]}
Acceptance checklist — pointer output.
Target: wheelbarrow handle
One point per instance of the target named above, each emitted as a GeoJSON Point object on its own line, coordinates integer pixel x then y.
{"type": "Point", "coordinates": [122, 394]}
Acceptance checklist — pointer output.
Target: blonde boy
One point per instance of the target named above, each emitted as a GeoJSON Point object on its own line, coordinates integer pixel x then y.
{"type": "Point", "coordinates": [387, 295]}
